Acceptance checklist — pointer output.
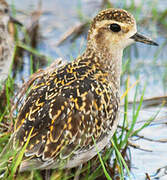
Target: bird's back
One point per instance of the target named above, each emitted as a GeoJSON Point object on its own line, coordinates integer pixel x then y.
{"type": "Point", "coordinates": [66, 109]}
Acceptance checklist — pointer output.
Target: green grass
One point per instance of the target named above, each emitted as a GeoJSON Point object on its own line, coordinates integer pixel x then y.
{"type": "Point", "coordinates": [112, 162]}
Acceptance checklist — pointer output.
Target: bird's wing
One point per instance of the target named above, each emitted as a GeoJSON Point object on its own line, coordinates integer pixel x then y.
{"type": "Point", "coordinates": [65, 116]}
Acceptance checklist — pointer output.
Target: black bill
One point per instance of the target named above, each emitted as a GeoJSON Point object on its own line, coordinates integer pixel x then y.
{"type": "Point", "coordinates": [15, 21]}
{"type": "Point", "coordinates": [140, 38]}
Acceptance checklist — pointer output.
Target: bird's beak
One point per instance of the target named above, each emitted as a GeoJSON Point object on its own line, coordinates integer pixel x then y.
{"type": "Point", "coordinates": [140, 38]}
{"type": "Point", "coordinates": [15, 21]}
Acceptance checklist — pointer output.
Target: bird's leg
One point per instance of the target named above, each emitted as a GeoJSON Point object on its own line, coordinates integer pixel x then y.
{"type": "Point", "coordinates": [46, 174]}
{"type": "Point", "coordinates": [76, 177]}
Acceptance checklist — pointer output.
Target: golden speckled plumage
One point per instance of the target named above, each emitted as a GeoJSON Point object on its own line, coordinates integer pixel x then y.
{"type": "Point", "coordinates": [118, 15]}
{"type": "Point", "coordinates": [66, 108]}
{"type": "Point", "coordinates": [79, 101]}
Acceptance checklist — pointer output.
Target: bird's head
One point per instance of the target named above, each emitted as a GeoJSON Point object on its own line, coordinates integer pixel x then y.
{"type": "Point", "coordinates": [115, 28]}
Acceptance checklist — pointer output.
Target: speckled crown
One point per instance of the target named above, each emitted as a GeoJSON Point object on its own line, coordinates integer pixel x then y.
{"type": "Point", "coordinates": [118, 15]}
{"type": "Point", "coordinates": [3, 2]}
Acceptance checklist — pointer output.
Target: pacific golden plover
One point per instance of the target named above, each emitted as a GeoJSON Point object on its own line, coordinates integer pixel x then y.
{"type": "Point", "coordinates": [6, 40]}
{"type": "Point", "coordinates": [69, 108]}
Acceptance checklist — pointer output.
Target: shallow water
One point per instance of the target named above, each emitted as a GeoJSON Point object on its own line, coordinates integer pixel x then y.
{"type": "Point", "coordinates": [146, 63]}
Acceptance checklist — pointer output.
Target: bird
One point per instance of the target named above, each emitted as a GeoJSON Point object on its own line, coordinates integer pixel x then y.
{"type": "Point", "coordinates": [6, 40]}
{"type": "Point", "coordinates": [72, 112]}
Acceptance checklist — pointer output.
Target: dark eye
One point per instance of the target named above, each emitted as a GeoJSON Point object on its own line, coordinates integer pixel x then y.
{"type": "Point", "coordinates": [6, 10]}
{"type": "Point", "coordinates": [115, 27]}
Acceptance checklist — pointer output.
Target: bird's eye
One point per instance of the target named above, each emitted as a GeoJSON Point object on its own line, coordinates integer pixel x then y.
{"type": "Point", "coordinates": [6, 10]}
{"type": "Point", "coordinates": [115, 27]}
